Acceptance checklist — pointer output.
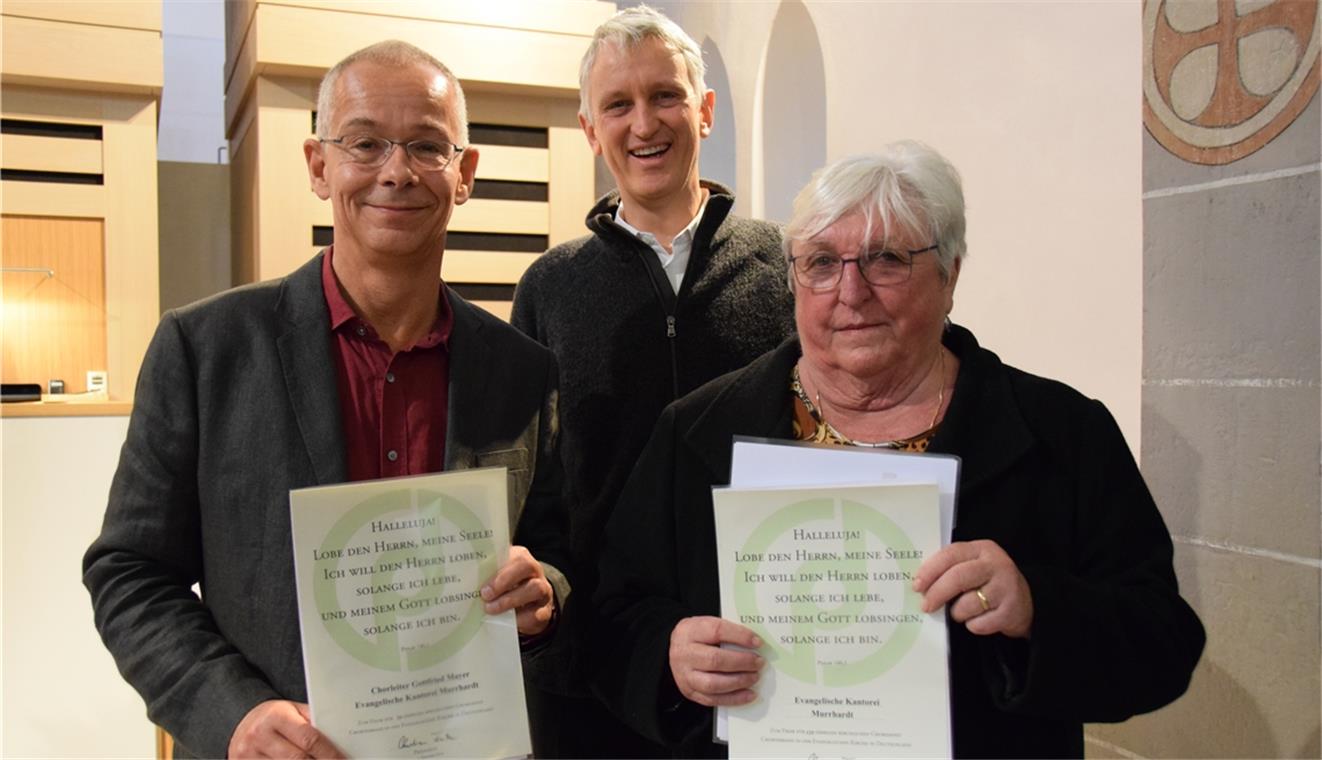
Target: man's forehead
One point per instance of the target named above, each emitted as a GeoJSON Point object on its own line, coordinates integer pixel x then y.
{"type": "Point", "coordinates": [368, 93]}
{"type": "Point", "coordinates": [366, 77]}
{"type": "Point", "coordinates": [620, 55]}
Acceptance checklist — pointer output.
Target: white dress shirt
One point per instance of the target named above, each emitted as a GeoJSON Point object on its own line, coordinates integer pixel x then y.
{"type": "Point", "coordinates": [676, 260]}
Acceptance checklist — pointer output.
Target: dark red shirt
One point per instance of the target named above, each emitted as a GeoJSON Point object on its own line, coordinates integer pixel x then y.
{"type": "Point", "coordinates": [393, 404]}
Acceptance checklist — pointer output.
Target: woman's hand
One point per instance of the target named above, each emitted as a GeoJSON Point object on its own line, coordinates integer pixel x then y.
{"type": "Point", "coordinates": [984, 588]}
{"type": "Point", "coordinates": [707, 674]}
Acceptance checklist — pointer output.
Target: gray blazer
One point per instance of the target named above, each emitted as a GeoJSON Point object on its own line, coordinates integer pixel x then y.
{"type": "Point", "coordinates": [236, 404]}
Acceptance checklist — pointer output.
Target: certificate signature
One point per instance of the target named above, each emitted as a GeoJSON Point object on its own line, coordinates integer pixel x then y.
{"type": "Point", "coordinates": [424, 740]}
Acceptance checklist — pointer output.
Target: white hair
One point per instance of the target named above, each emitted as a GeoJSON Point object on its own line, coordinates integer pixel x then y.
{"type": "Point", "coordinates": [907, 185]}
{"type": "Point", "coordinates": [626, 30]}
{"type": "Point", "coordinates": [388, 53]}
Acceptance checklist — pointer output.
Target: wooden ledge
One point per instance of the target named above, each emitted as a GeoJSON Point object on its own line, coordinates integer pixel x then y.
{"type": "Point", "coordinates": [66, 407]}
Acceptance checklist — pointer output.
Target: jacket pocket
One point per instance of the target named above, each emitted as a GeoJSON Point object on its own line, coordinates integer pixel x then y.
{"type": "Point", "coordinates": [517, 479]}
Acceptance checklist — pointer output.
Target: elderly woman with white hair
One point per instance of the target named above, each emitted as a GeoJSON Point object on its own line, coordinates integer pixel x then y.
{"type": "Point", "coordinates": [1062, 604]}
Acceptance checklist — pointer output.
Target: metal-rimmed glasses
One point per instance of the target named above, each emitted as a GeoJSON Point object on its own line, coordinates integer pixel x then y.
{"type": "Point", "coordinates": [822, 270]}
{"type": "Point", "coordinates": [373, 151]}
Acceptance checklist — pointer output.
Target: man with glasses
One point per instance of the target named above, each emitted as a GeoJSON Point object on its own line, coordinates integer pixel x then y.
{"type": "Point", "coordinates": [668, 291]}
{"type": "Point", "coordinates": [359, 365]}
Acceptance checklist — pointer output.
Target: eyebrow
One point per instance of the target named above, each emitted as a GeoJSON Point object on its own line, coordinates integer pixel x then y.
{"type": "Point", "coordinates": [359, 121]}
{"type": "Point", "coordinates": [678, 84]}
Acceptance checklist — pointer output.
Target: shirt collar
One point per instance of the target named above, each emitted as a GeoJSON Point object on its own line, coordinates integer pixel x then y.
{"type": "Point", "coordinates": [686, 234]}
{"type": "Point", "coordinates": [342, 313]}
{"type": "Point", "coordinates": [340, 310]}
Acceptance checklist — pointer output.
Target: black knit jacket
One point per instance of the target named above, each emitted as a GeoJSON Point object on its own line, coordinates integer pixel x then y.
{"type": "Point", "coordinates": [627, 344]}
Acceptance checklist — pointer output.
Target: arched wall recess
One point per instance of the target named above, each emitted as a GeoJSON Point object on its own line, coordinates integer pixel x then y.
{"type": "Point", "coordinates": [718, 154]}
{"type": "Point", "coordinates": [793, 102]}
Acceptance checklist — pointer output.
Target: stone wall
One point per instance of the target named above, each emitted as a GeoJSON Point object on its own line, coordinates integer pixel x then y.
{"type": "Point", "coordinates": [1231, 364]}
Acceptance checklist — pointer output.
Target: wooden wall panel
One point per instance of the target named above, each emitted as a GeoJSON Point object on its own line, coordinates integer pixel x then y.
{"type": "Point", "coordinates": [507, 162]}
{"type": "Point", "coordinates": [517, 217]}
{"type": "Point", "coordinates": [245, 211]}
{"type": "Point", "coordinates": [50, 154]}
{"type": "Point", "coordinates": [502, 309]}
{"type": "Point", "coordinates": [132, 235]}
{"type": "Point", "coordinates": [485, 266]}
{"type": "Point", "coordinates": [126, 14]}
{"type": "Point", "coordinates": [105, 59]}
{"type": "Point", "coordinates": [53, 326]}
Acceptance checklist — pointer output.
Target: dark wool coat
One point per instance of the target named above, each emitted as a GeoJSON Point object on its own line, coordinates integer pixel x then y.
{"type": "Point", "coordinates": [628, 345]}
{"type": "Point", "coordinates": [1046, 474]}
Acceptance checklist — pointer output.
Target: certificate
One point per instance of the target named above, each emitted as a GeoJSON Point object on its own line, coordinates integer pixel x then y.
{"type": "Point", "coordinates": [763, 462]}
{"type": "Point", "coordinates": [401, 659]}
{"type": "Point", "coordinates": [823, 575]}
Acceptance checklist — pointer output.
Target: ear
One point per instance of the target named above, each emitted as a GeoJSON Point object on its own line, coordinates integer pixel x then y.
{"type": "Point", "coordinates": [707, 109]}
{"type": "Point", "coordinates": [467, 175]}
{"type": "Point", "coordinates": [591, 132]}
{"type": "Point", "coordinates": [312, 152]}
{"type": "Point", "coordinates": [951, 280]}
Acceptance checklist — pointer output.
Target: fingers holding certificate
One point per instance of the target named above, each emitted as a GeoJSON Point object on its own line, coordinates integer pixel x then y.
{"type": "Point", "coordinates": [280, 728]}
{"type": "Point", "coordinates": [982, 585]}
{"type": "Point", "coordinates": [521, 585]}
{"type": "Point", "coordinates": [711, 675]}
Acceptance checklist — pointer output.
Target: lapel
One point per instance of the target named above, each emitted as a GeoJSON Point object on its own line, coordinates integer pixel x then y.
{"type": "Point", "coordinates": [470, 360]}
{"type": "Point", "coordinates": [308, 367]}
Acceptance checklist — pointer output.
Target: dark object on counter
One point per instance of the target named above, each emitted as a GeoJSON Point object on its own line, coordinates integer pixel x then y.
{"type": "Point", "coordinates": [56, 387]}
{"type": "Point", "coordinates": [20, 392]}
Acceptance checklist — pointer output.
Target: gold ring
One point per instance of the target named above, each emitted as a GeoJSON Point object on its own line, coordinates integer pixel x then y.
{"type": "Point", "coordinates": [986, 605]}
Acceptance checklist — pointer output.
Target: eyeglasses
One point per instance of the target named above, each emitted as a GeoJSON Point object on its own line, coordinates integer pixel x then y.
{"type": "Point", "coordinates": [822, 271]}
{"type": "Point", "coordinates": [373, 151]}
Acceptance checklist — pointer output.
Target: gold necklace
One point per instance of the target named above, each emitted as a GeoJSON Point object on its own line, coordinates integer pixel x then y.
{"type": "Point", "coordinates": [831, 430]}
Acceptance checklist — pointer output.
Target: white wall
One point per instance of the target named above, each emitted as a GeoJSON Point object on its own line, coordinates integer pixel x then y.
{"type": "Point", "coordinates": [192, 126]}
{"type": "Point", "coordinates": [62, 695]}
{"type": "Point", "coordinates": [1038, 106]}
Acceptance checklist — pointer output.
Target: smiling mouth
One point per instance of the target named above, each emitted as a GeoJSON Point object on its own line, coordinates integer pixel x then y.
{"type": "Point", "coordinates": [651, 151]}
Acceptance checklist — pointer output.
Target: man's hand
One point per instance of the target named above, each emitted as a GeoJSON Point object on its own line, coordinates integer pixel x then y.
{"type": "Point", "coordinates": [279, 728]}
{"type": "Point", "coordinates": [521, 585]}
{"type": "Point", "coordinates": [984, 587]}
{"type": "Point", "coordinates": [707, 674]}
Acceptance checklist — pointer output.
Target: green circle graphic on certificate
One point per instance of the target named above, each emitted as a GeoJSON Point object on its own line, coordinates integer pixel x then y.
{"type": "Point", "coordinates": [823, 590]}
{"type": "Point", "coordinates": [389, 565]}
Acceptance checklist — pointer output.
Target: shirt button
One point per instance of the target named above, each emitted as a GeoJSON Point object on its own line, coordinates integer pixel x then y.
{"type": "Point", "coordinates": [390, 377]}
{"type": "Point", "coordinates": [392, 455]}
{"type": "Point", "coordinates": [361, 331]}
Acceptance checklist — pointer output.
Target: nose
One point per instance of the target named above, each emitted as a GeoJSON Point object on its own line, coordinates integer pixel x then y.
{"type": "Point", "coordinates": [854, 290]}
{"type": "Point", "coordinates": [398, 168]}
{"type": "Point", "coordinates": [644, 121]}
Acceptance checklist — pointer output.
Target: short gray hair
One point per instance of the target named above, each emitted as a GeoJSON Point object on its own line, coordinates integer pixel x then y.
{"type": "Point", "coordinates": [388, 53]}
{"type": "Point", "coordinates": [626, 30]}
{"type": "Point", "coordinates": [906, 185]}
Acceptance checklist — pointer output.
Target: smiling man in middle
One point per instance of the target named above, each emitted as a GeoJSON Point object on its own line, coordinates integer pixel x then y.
{"type": "Point", "coordinates": [669, 291]}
